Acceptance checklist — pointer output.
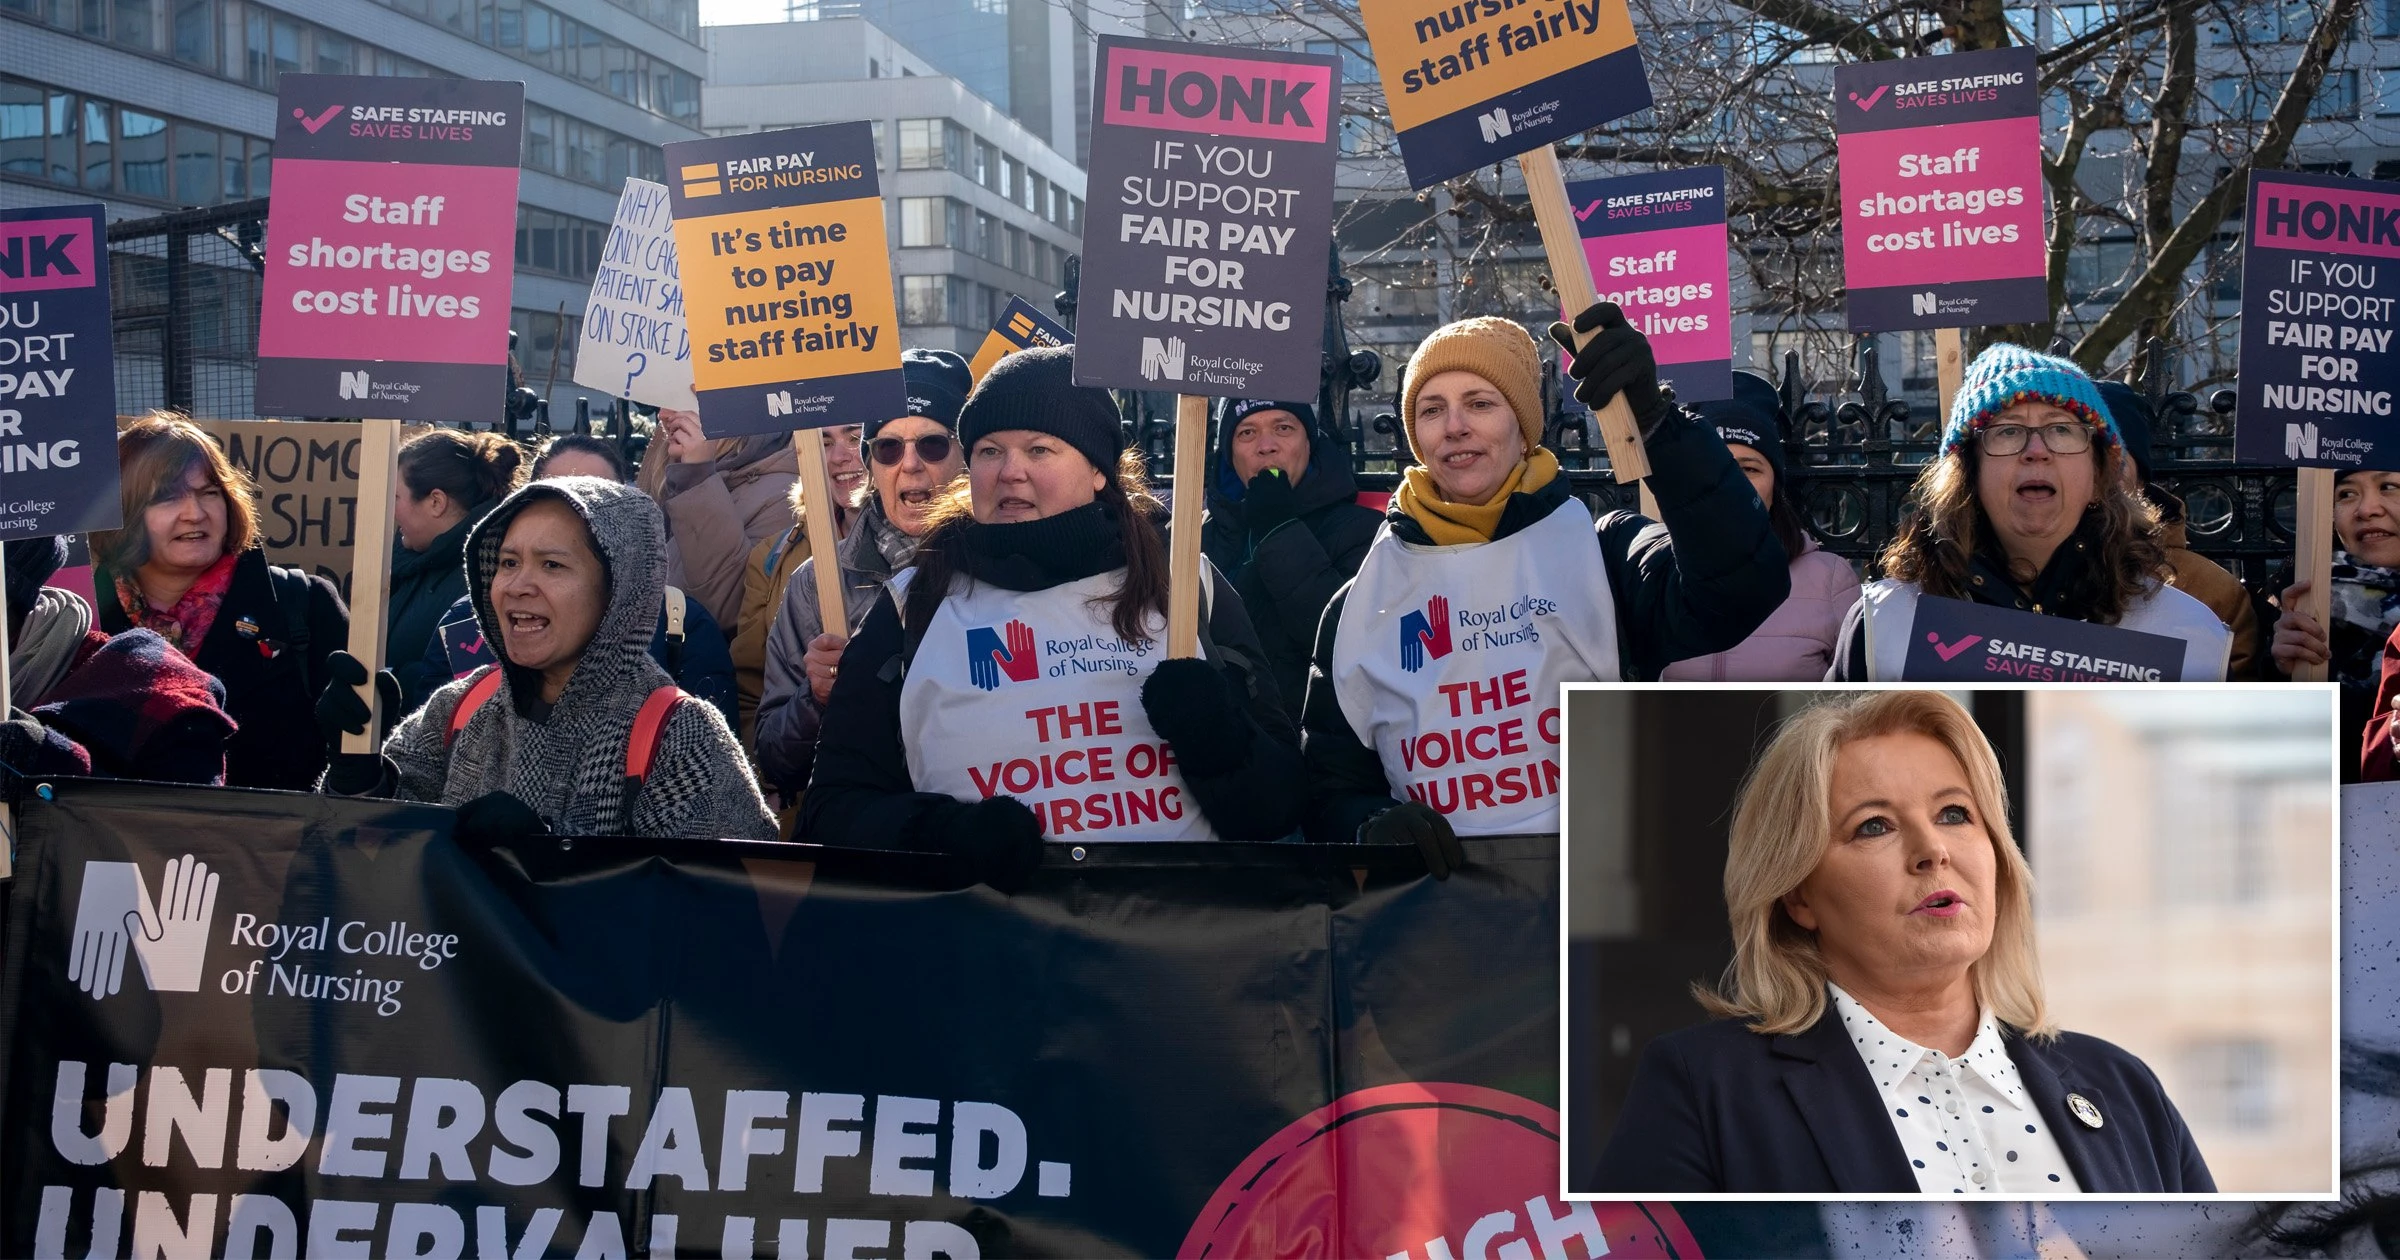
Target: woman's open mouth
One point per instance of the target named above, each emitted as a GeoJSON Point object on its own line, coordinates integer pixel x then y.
{"type": "Point", "coordinates": [2037, 491]}
{"type": "Point", "coordinates": [1940, 905]}
{"type": "Point", "coordinates": [526, 623]}
{"type": "Point", "coordinates": [917, 498]}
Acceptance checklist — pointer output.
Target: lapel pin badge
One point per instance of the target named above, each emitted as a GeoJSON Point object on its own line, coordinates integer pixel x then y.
{"type": "Point", "coordinates": [2083, 1110]}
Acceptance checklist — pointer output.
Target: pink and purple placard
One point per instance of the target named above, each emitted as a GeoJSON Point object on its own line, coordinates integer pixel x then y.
{"type": "Point", "coordinates": [390, 248]}
{"type": "Point", "coordinates": [1941, 179]}
{"type": "Point", "coordinates": [1656, 244]}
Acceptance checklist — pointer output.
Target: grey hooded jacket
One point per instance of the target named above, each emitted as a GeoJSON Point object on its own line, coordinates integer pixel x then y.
{"type": "Point", "coordinates": [788, 717]}
{"type": "Point", "coordinates": [569, 764]}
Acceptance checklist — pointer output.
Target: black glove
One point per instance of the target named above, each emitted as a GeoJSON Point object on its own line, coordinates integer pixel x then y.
{"type": "Point", "coordinates": [1269, 501]}
{"type": "Point", "coordinates": [497, 818]}
{"type": "Point", "coordinates": [1192, 707]}
{"type": "Point", "coordinates": [1616, 360]}
{"type": "Point", "coordinates": [359, 774]}
{"type": "Point", "coordinates": [30, 751]}
{"type": "Point", "coordinates": [340, 711]}
{"type": "Point", "coordinates": [1414, 822]}
{"type": "Point", "coordinates": [1000, 839]}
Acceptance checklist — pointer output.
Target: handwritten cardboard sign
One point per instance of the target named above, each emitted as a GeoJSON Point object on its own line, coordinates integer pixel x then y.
{"type": "Point", "coordinates": [634, 342]}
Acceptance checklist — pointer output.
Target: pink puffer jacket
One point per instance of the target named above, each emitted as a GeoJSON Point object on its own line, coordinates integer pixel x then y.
{"type": "Point", "coordinates": [1796, 643]}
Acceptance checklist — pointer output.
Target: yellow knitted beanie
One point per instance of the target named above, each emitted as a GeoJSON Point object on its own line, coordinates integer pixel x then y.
{"type": "Point", "coordinates": [1499, 351]}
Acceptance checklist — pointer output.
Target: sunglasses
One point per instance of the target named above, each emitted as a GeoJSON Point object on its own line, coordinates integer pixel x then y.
{"type": "Point", "coordinates": [2062, 438]}
{"type": "Point", "coordinates": [933, 448]}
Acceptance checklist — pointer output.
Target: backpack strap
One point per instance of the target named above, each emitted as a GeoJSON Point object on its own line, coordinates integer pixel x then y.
{"type": "Point", "coordinates": [677, 605]}
{"type": "Point", "coordinates": [641, 748]}
{"type": "Point", "coordinates": [479, 692]}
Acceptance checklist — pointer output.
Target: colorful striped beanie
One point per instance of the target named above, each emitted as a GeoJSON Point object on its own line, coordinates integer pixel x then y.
{"type": "Point", "coordinates": [2005, 375]}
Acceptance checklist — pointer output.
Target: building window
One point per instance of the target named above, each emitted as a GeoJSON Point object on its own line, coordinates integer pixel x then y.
{"type": "Point", "coordinates": [987, 160]}
{"type": "Point", "coordinates": [142, 153]}
{"type": "Point", "coordinates": [560, 244]}
{"type": "Point", "coordinates": [2337, 96]}
{"type": "Point", "coordinates": [921, 222]}
{"type": "Point", "coordinates": [2387, 88]}
{"type": "Point", "coordinates": [924, 299]}
{"type": "Point", "coordinates": [542, 339]}
{"type": "Point", "coordinates": [920, 144]}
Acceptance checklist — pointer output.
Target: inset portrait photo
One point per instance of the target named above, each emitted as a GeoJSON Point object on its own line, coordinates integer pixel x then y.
{"type": "Point", "coordinates": [2045, 943]}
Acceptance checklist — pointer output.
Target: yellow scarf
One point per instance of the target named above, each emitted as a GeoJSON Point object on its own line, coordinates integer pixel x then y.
{"type": "Point", "coordinates": [1455, 524]}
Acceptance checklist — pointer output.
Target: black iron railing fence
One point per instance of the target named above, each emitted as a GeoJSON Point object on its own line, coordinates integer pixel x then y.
{"type": "Point", "coordinates": [186, 299]}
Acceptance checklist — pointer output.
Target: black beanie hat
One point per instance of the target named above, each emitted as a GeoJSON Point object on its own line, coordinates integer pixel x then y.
{"type": "Point", "coordinates": [2130, 408]}
{"type": "Point", "coordinates": [1752, 417]}
{"type": "Point", "coordinates": [1236, 410]}
{"type": "Point", "coordinates": [1035, 389]}
{"type": "Point", "coordinates": [937, 382]}
{"type": "Point", "coordinates": [31, 562]}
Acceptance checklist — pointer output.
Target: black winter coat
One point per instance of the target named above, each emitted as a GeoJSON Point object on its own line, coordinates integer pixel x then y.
{"type": "Point", "coordinates": [1288, 577]}
{"type": "Point", "coordinates": [1718, 1108]}
{"type": "Point", "coordinates": [860, 794]}
{"type": "Point", "coordinates": [271, 681]}
{"type": "Point", "coordinates": [424, 586]}
{"type": "Point", "coordinates": [1699, 583]}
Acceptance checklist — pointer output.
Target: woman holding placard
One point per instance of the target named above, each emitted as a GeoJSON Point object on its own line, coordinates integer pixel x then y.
{"type": "Point", "coordinates": [2026, 509]}
{"type": "Point", "coordinates": [1010, 686]}
{"type": "Point", "coordinates": [916, 456]}
{"type": "Point", "coordinates": [2365, 603]}
{"type": "Point", "coordinates": [187, 564]}
{"type": "Point", "coordinates": [1433, 699]}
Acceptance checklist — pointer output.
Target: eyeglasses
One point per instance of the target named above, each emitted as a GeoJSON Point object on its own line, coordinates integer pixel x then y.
{"type": "Point", "coordinates": [2063, 438]}
{"type": "Point", "coordinates": [933, 448]}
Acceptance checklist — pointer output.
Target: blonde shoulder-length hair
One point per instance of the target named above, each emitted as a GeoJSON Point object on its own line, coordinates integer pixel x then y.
{"type": "Point", "coordinates": [1782, 826]}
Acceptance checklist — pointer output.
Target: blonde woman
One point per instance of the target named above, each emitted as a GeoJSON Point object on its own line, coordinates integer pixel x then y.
{"type": "Point", "coordinates": [1884, 1030]}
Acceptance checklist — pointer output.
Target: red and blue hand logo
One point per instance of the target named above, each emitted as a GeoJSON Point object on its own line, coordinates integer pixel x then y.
{"type": "Point", "coordinates": [988, 660]}
{"type": "Point", "coordinates": [1425, 635]}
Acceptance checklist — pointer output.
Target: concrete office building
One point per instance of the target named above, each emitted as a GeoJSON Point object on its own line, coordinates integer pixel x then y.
{"type": "Point", "coordinates": [1031, 59]}
{"type": "Point", "coordinates": [980, 207]}
{"type": "Point", "coordinates": [152, 105]}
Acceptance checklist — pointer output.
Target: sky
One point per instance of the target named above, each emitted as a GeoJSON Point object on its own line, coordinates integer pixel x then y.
{"type": "Point", "coordinates": [730, 12]}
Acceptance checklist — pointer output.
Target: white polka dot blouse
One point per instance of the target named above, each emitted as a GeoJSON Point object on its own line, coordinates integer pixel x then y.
{"type": "Point", "coordinates": [1966, 1122]}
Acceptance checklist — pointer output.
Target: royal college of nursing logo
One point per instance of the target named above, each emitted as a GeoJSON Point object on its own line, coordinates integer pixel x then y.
{"type": "Point", "coordinates": [989, 659]}
{"type": "Point", "coordinates": [169, 936]}
{"type": "Point", "coordinates": [1425, 635]}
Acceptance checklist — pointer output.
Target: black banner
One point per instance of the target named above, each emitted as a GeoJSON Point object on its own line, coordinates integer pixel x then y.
{"type": "Point", "coordinates": [349, 1035]}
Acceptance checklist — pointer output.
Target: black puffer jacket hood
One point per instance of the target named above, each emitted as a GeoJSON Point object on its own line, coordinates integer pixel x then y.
{"type": "Point", "coordinates": [631, 533]}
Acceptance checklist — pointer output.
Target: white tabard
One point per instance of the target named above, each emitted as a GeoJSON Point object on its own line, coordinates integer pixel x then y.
{"type": "Point", "coordinates": [1031, 694]}
{"type": "Point", "coordinates": [1448, 660]}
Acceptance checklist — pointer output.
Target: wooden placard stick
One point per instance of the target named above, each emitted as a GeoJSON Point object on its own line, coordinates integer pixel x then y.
{"type": "Point", "coordinates": [371, 566]}
{"type": "Point", "coordinates": [2312, 529]}
{"type": "Point", "coordinates": [824, 540]}
{"type": "Point", "coordinates": [1949, 368]}
{"type": "Point", "coordinates": [1546, 187]}
{"type": "Point", "coordinates": [1183, 526]}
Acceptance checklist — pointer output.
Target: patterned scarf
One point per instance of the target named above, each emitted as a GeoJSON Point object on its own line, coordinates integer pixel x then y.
{"type": "Point", "coordinates": [2366, 606]}
{"type": "Point", "coordinates": [186, 624]}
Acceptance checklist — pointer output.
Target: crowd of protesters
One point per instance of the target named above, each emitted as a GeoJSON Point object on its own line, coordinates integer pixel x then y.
{"type": "Point", "coordinates": [579, 645]}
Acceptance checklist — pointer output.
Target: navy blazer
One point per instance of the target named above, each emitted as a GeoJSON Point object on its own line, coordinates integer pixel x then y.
{"type": "Point", "coordinates": [1721, 1108]}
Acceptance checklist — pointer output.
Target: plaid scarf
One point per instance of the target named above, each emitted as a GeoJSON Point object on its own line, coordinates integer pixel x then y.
{"type": "Point", "coordinates": [185, 626]}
